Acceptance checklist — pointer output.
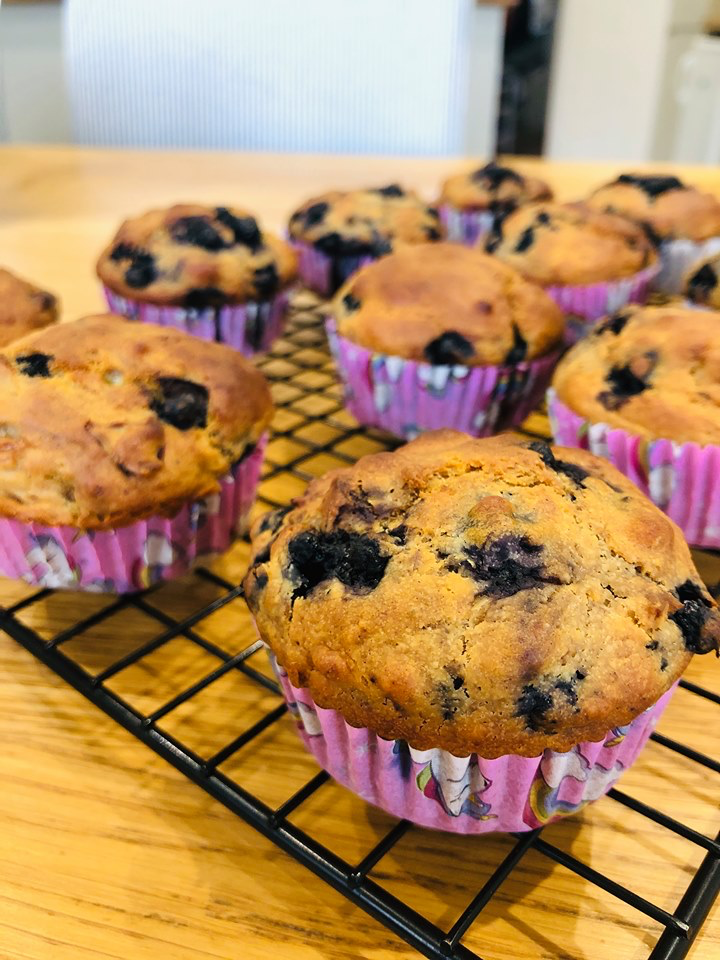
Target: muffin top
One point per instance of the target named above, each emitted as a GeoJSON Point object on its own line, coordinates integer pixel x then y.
{"type": "Point", "coordinates": [106, 421]}
{"type": "Point", "coordinates": [554, 243]}
{"type": "Point", "coordinates": [444, 303]}
{"type": "Point", "coordinates": [195, 256]}
{"type": "Point", "coordinates": [491, 596]}
{"type": "Point", "coordinates": [491, 186]}
{"type": "Point", "coordinates": [654, 371]}
{"type": "Point", "coordinates": [369, 222]}
{"type": "Point", "coordinates": [669, 206]}
{"type": "Point", "coordinates": [701, 283]}
{"type": "Point", "coordinates": [23, 307]}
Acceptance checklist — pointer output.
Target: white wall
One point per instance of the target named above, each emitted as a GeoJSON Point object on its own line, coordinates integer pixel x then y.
{"type": "Point", "coordinates": [33, 102]}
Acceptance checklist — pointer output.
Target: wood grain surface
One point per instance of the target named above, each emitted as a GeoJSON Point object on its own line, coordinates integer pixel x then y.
{"type": "Point", "coordinates": [107, 852]}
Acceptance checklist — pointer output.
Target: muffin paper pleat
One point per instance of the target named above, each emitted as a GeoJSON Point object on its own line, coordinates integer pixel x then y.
{"type": "Point", "coordinates": [465, 226]}
{"type": "Point", "coordinates": [138, 555]}
{"type": "Point", "coordinates": [248, 327]}
{"type": "Point", "coordinates": [683, 479]}
{"type": "Point", "coordinates": [406, 398]}
{"type": "Point", "coordinates": [677, 257]}
{"type": "Point", "coordinates": [468, 794]}
{"type": "Point", "coordinates": [324, 274]}
{"type": "Point", "coordinates": [584, 305]}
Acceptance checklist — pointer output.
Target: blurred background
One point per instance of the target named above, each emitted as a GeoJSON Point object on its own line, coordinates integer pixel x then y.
{"type": "Point", "coordinates": [571, 79]}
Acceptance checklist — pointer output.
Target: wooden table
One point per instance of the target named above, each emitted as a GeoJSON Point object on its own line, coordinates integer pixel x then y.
{"type": "Point", "coordinates": [107, 852]}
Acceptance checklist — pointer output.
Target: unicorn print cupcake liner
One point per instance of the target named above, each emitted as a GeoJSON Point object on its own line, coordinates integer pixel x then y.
{"type": "Point", "coordinates": [250, 327]}
{"type": "Point", "coordinates": [583, 306]}
{"type": "Point", "coordinates": [136, 556]}
{"type": "Point", "coordinates": [465, 226]}
{"type": "Point", "coordinates": [468, 795]}
{"type": "Point", "coordinates": [683, 479]}
{"type": "Point", "coordinates": [407, 398]}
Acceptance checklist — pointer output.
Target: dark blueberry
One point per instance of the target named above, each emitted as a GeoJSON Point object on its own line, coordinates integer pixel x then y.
{"type": "Point", "coordinates": [433, 212]}
{"type": "Point", "coordinates": [449, 348]}
{"type": "Point", "coordinates": [571, 470]}
{"type": "Point", "coordinates": [200, 298]}
{"type": "Point", "coordinates": [330, 244]}
{"type": "Point", "coordinates": [533, 704]}
{"type": "Point", "coordinates": [663, 664]}
{"type": "Point", "coordinates": [543, 217]}
{"type": "Point", "coordinates": [261, 581]}
{"type": "Point", "coordinates": [653, 645]}
{"type": "Point", "coordinates": [315, 214]}
{"type": "Point", "coordinates": [198, 232]}
{"type": "Point", "coordinates": [457, 682]}
{"type": "Point", "coordinates": [350, 303]}
{"type": "Point", "coordinates": [381, 248]}
{"type": "Point", "coordinates": [651, 186]}
{"type": "Point", "coordinates": [702, 283]}
{"type": "Point", "coordinates": [580, 675]}
{"type": "Point", "coordinates": [527, 239]}
{"type": "Point", "coordinates": [507, 565]}
{"type": "Point", "coordinates": [262, 557]}
{"type": "Point", "coordinates": [273, 521]}
{"type": "Point", "coordinates": [46, 300]}
{"type": "Point", "coordinates": [392, 190]}
{"type": "Point", "coordinates": [266, 281]}
{"type": "Point", "coordinates": [353, 559]}
{"type": "Point", "coordinates": [399, 534]}
{"type": "Point", "coordinates": [690, 620]}
{"type": "Point", "coordinates": [432, 233]}
{"type": "Point", "coordinates": [613, 324]}
{"type": "Point", "coordinates": [623, 385]}
{"type": "Point", "coordinates": [142, 271]}
{"type": "Point", "coordinates": [35, 364]}
{"type": "Point", "coordinates": [181, 403]}
{"type": "Point", "coordinates": [567, 688]}
{"type": "Point", "coordinates": [518, 351]}
{"type": "Point", "coordinates": [245, 229]}
{"type": "Point", "coordinates": [448, 700]}
{"type": "Point", "coordinates": [494, 175]}
{"type": "Point", "coordinates": [122, 251]}
{"type": "Point", "coordinates": [691, 591]}
{"type": "Point", "coordinates": [495, 234]}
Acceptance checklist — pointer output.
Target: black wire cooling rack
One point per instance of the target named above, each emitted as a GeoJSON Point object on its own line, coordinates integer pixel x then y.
{"type": "Point", "coordinates": [312, 419]}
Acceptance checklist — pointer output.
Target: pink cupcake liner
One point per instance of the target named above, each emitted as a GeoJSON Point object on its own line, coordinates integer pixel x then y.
{"type": "Point", "coordinates": [248, 327]}
{"type": "Point", "coordinates": [683, 479]}
{"type": "Point", "coordinates": [677, 257]}
{"type": "Point", "coordinates": [138, 555]}
{"type": "Point", "coordinates": [436, 789]}
{"type": "Point", "coordinates": [406, 398]}
{"type": "Point", "coordinates": [465, 226]}
{"type": "Point", "coordinates": [323, 274]}
{"type": "Point", "coordinates": [584, 305]}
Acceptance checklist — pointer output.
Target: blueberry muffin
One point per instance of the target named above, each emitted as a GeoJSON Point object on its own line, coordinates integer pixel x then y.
{"type": "Point", "coordinates": [490, 186]}
{"type": "Point", "coordinates": [445, 304]}
{"type": "Point", "coordinates": [339, 230]}
{"type": "Point", "coordinates": [654, 371]}
{"type": "Point", "coordinates": [442, 335]}
{"type": "Point", "coordinates": [669, 206]}
{"type": "Point", "coordinates": [563, 244]}
{"type": "Point", "coordinates": [486, 597]}
{"type": "Point", "coordinates": [23, 307]}
{"type": "Point", "coordinates": [208, 271]}
{"type": "Point", "coordinates": [125, 452]}
{"type": "Point", "coordinates": [195, 256]}
{"type": "Point", "coordinates": [701, 284]}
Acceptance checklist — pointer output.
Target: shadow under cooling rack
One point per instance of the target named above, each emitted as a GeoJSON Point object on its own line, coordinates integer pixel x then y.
{"type": "Point", "coordinates": [312, 433]}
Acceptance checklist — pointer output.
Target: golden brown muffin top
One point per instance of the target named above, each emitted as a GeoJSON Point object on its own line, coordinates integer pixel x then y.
{"type": "Point", "coordinates": [491, 596]}
{"type": "Point", "coordinates": [701, 284]}
{"type": "Point", "coordinates": [553, 243]}
{"type": "Point", "coordinates": [196, 256]}
{"type": "Point", "coordinates": [106, 421]}
{"type": "Point", "coordinates": [669, 206]}
{"type": "Point", "coordinates": [491, 186]}
{"type": "Point", "coordinates": [444, 303]}
{"type": "Point", "coordinates": [23, 307]}
{"type": "Point", "coordinates": [372, 222]}
{"type": "Point", "coordinates": [654, 371]}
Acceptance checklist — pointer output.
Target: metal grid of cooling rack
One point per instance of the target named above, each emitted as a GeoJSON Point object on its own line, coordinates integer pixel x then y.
{"type": "Point", "coordinates": [299, 367]}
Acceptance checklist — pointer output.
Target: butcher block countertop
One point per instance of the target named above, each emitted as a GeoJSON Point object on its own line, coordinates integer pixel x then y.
{"type": "Point", "coordinates": [106, 851]}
